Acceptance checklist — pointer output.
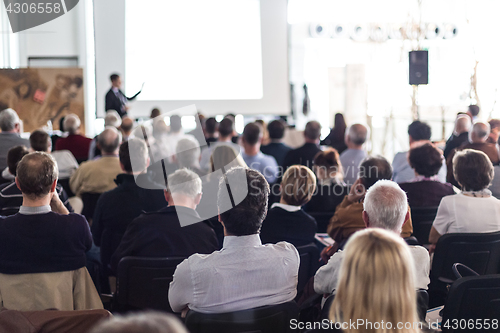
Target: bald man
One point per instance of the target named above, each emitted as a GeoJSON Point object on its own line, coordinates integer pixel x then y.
{"type": "Point", "coordinates": [126, 127]}
{"type": "Point", "coordinates": [460, 134]}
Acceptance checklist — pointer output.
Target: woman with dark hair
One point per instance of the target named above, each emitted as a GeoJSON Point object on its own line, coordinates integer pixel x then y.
{"type": "Point", "coordinates": [425, 190]}
{"type": "Point", "coordinates": [336, 137]}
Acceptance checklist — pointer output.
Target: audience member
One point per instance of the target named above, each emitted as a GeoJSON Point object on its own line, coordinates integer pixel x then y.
{"type": "Point", "coordinates": [116, 208]}
{"type": "Point", "coordinates": [10, 135]}
{"type": "Point", "coordinates": [474, 209]}
{"type": "Point", "coordinates": [460, 134]}
{"type": "Point", "coordinates": [155, 112]}
{"type": "Point", "coordinates": [226, 131]}
{"type": "Point", "coordinates": [126, 127]}
{"type": "Point", "coordinates": [418, 133]}
{"type": "Point", "coordinates": [145, 322]}
{"type": "Point", "coordinates": [235, 136]}
{"type": "Point", "coordinates": [253, 157]}
{"type": "Point", "coordinates": [331, 188]}
{"type": "Point", "coordinates": [305, 155]}
{"type": "Point", "coordinates": [494, 131]}
{"type": "Point", "coordinates": [477, 141]}
{"type": "Point", "coordinates": [187, 155]}
{"type": "Point", "coordinates": [173, 231]}
{"type": "Point", "coordinates": [176, 132]}
{"type": "Point", "coordinates": [473, 111]}
{"type": "Point", "coordinates": [336, 137]}
{"type": "Point", "coordinates": [385, 207]}
{"type": "Point", "coordinates": [276, 148]}
{"type": "Point", "coordinates": [265, 133]}
{"type": "Point", "coordinates": [352, 157]}
{"type": "Point", "coordinates": [98, 176]}
{"type": "Point", "coordinates": [76, 143]}
{"type": "Point", "coordinates": [286, 220]}
{"type": "Point", "coordinates": [199, 132]}
{"type": "Point", "coordinates": [44, 238]}
{"type": "Point", "coordinates": [425, 189]}
{"type": "Point", "coordinates": [249, 274]}
{"type": "Point", "coordinates": [111, 119]}
{"type": "Point", "coordinates": [211, 130]}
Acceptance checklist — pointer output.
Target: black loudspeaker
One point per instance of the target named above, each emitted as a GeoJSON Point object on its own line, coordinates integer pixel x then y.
{"type": "Point", "coordinates": [419, 67]}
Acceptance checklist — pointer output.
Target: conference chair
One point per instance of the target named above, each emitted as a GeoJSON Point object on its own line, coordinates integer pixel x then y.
{"type": "Point", "coordinates": [265, 319]}
{"type": "Point", "coordinates": [322, 220]}
{"type": "Point", "coordinates": [479, 251]}
{"type": "Point", "coordinates": [422, 218]}
{"type": "Point", "coordinates": [309, 264]}
{"type": "Point", "coordinates": [473, 305]}
{"type": "Point", "coordinates": [143, 283]}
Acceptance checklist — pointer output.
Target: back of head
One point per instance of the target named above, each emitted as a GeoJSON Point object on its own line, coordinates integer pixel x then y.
{"type": "Point", "coordinates": [40, 141]}
{"type": "Point", "coordinates": [329, 161]}
{"type": "Point", "coordinates": [175, 123]}
{"type": "Point", "coordinates": [127, 124]}
{"type": "Point", "coordinates": [462, 124]}
{"type": "Point", "coordinates": [147, 322]}
{"type": "Point", "coordinates": [252, 134]}
{"type": "Point", "coordinates": [155, 113]}
{"type": "Point", "coordinates": [472, 169]}
{"type": "Point", "coordinates": [185, 182]}
{"type": "Point", "coordinates": [339, 127]}
{"type": "Point", "coordinates": [494, 123]}
{"type": "Point", "coordinates": [376, 282]}
{"type": "Point", "coordinates": [226, 127]}
{"type": "Point", "coordinates": [419, 131]}
{"type": "Point", "coordinates": [187, 152]}
{"type": "Point", "coordinates": [426, 160]}
{"type": "Point", "coordinates": [36, 172]}
{"type": "Point", "coordinates": [109, 140]}
{"type": "Point", "coordinates": [71, 123]}
{"type": "Point", "coordinates": [8, 120]}
{"type": "Point", "coordinates": [474, 110]}
{"type": "Point", "coordinates": [298, 185]}
{"type": "Point", "coordinates": [225, 157]}
{"type": "Point", "coordinates": [373, 169]}
{"type": "Point", "coordinates": [480, 132]}
{"type": "Point", "coordinates": [276, 130]}
{"type": "Point", "coordinates": [357, 134]}
{"type": "Point", "coordinates": [14, 156]}
{"type": "Point", "coordinates": [112, 118]}
{"type": "Point", "coordinates": [251, 190]}
{"type": "Point", "coordinates": [211, 125]}
{"type": "Point", "coordinates": [133, 155]}
{"type": "Point", "coordinates": [312, 130]}
{"type": "Point", "coordinates": [386, 205]}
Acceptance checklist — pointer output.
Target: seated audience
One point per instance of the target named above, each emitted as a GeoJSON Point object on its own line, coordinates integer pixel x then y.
{"type": "Point", "coordinates": [226, 130]}
{"type": "Point", "coordinates": [477, 140]}
{"type": "Point", "coordinates": [173, 231]}
{"type": "Point", "coordinates": [460, 134]}
{"type": "Point", "coordinates": [286, 221]}
{"type": "Point", "coordinates": [352, 157]}
{"type": "Point", "coordinates": [331, 188]}
{"type": "Point", "coordinates": [44, 238]}
{"type": "Point", "coordinates": [10, 127]}
{"type": "Point", "coordinates": [253, 157]}
{"type": "Point", "coordinates": [198, 132]}
{"type": "Point", "coordinates": [155, 112]}
{"type": "Point", "coordinates": [245, 274]}
{"type": "Point", "coordinates": [187, 155]}
{"type": "Point", "coordinates": [98, 176]}
{"type": "Point", "coordinates": [112, 119]}
{"type": "Point", "coordinates": [472, 112]}
{"type": "Point", "coordinates": [145, 322]}
{"type": "Point", "coordinates": [116, 208]}
{"type": "Point", "coordinates": [176, 132]}
{"type": "Point", "coordinates": [265, 133]}
{"type": "Point", "coordinates": [76, 143]}
{"type": "Point", "coordinates": [425, 189]}
{"type": "Point", "coordinates": [11, 197]}
{"type": "Point", "coordinates": [211, 130]}
{"type": "Point", "coordinates": [336, 137]}
{"type": "Point", "coordinates": [276, 148]}
{"type": "Point", "coordinates": [474, 209]}
{"type": "Point", "coordinates": [419, 133]}
{"type": "Point", "coordinates": [126, 127]}
{"type": "Point", "coordinates": [14, 155]}
{"type": "Point", "coordinates": [348, 217]}
{"type": "Point", "coordinates": [385, 207]}
{"type": "Point", "coordinates": [304, 155]}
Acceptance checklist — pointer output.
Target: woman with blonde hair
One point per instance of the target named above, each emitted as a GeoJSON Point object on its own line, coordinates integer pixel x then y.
{"type": "Point", "coordinates": [376, 286]}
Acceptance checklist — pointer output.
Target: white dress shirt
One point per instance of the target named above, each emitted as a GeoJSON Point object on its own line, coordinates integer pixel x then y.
{"type": "Point", "coordinates": [245, 274]}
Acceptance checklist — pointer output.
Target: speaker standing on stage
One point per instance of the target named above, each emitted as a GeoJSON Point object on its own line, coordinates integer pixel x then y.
{"type": "Point", "coordinates": [116, 99]}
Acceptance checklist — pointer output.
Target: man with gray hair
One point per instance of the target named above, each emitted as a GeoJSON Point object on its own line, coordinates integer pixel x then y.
{"type": "Point", "coordinates": [187, 155]}
{"type": "Point", "coordinates": [10, 135]}
{"type": "Point", "coordinates": [76, 143]}
{"type": "Point", "coordinates": [111, 119]}
{"type": "Point", "coordinates": [352, 157]}
{"type": "Point", "coordinates": [385, 207]}
{"type": "Point", "coordinates": [173, 231]}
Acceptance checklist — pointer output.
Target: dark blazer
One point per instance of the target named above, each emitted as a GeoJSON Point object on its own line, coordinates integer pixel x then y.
{"type": "Point", "coordinates": [160, 234]}
{"type": "Point", "coordinates": [297, 228]}
{"type": "Point", "coordinates": [114, 103]}
{"type": "Point", "coordinates": [327, 198]}
{"type": "Point", "coordinates": [426, 193]}
{"type": "Point", "coordinates": [455, 142]}
{"type": "Point", "coordinates": [303, 155]}
{"type": "Point", "coordinates": [278, 150]}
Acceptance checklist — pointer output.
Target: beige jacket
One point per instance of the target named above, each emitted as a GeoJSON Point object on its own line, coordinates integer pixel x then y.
{"type": "Point", "coordinates": [96, 176]}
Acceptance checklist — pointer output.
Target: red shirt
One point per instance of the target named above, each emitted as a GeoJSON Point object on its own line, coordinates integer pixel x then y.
{"type": "Point", "coordinates": [77, 144]}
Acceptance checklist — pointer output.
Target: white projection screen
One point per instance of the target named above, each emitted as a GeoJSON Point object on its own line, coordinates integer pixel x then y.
{"type": "Point", "coordinates": [221, 55]}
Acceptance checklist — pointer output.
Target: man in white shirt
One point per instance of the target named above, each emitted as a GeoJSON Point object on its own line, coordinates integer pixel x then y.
{"type": "Point", "coordinates": [355, 153]}
{"type": "Point", "coordinates": [245, 274]}
{"type": "Point", "coordinates": [386, 207]}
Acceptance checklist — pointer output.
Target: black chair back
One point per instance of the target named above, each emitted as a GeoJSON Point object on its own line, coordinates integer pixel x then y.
{"type": "Point", "coordinates": [472, 298]}
{"type": "Point", "coordinates": [143, 283]}
{"type": "Point", "coordinates": [309, 263]}
{"type": "Point", "coordinates": [322, 220]}
{"type": "Point", "coordinates": [265, 319]}
{"type": "Point", "coordinates": [89, 204]}
{"type": "Point", "coordinates": [421, 219]}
